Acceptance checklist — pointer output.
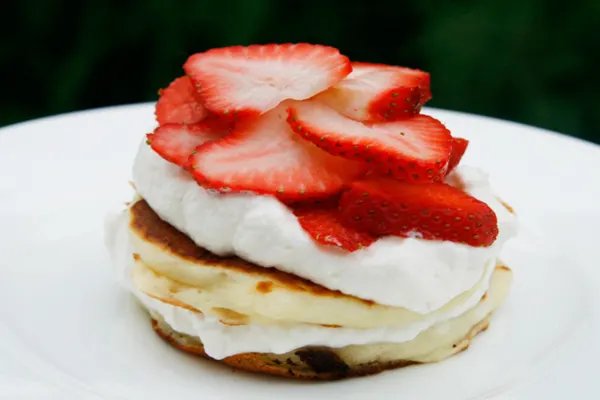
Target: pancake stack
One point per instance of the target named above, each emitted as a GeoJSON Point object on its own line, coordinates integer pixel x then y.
{"type": "Point", "coordinates": [296, 215]}
{"type": "Point", "coordinates": [167, 268]}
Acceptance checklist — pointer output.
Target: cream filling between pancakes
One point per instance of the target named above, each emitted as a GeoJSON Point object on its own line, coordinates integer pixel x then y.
{"type": "Point", "coordinates": [272, 336]}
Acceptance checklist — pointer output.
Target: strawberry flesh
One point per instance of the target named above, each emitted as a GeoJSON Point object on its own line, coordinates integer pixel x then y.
{"type": "Point", "coordinates": [459, 146]}
{"type": "Point", "coordinates": [179, 103]}
{"type": "Point", "coordinates": [254, 79]}
{"type": "Point", "coordinates": [263, 155]}
{"type": "Point", "coordinates": [415, 149]}
{"type": "Point", "coordinates": [176, 142]}
{"type": "Point", "coordinates": [324, 225]}
{"type": "Point", "coordinates": [436, 211]}
{"type": "Point", "coordinates": [378, 92]}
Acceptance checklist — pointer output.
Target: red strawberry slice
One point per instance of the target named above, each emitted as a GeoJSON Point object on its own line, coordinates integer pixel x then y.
{"type": "Point", "coordinates": [377, 92]}
{"type": "Point", "coordinates": [179, 103]}
{"type": "Point", "coordinates": [176, 142]}
{"type": "Point", "coordinates": [263, 155]}
{"type": "Point", "coordinates": [459, 146]}
{"type": "Point", "coordinates": [323, 224]}
{"type": "Point", "coordinates": [436, 211]}
{"type": "Point", "coordinates": [415, 149]}
{"type": "Point", "coordinates": [254, 79]}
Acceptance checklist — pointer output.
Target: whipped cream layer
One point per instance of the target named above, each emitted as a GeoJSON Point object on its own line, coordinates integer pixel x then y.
{"type": "Point", "coordinates": [221, 340]}
{"type": "Point", "coordinates": [416, 274]}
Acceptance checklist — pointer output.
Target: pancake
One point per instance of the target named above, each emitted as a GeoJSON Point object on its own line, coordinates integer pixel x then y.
{"type": "Point", "coordinates": [314, 363]}
{"type": "Point", "coordinates": [326, 363]}
{"type": "Point", "coordinates": [171, 269]}
{"type": "Point", "coordinates": [176, 270]}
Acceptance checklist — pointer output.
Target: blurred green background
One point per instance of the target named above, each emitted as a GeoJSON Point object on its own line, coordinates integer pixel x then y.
{"type": "Point", "coordinates": [534, 62]}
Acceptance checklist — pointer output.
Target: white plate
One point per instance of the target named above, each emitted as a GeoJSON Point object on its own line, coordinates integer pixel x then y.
{"type": "Point", "coordinates": [68, 331]}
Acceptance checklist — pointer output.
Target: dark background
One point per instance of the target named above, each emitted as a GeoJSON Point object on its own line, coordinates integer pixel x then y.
{"type": "Point", "coordinates": [534, 62]}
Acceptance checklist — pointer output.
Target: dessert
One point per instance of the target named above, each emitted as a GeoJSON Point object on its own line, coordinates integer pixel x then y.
{"type": "Point", "coordinates": [296, 215]}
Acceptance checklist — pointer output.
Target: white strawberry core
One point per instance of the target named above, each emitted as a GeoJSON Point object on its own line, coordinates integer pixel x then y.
{"type": "Point", "coordinates": [263, 85]}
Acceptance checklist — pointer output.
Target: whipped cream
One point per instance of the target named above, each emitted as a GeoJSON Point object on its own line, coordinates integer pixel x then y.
{"type": "Point", "coordinates": [222, 340]}
{"type": "Point", "coordinates": [417, 274]}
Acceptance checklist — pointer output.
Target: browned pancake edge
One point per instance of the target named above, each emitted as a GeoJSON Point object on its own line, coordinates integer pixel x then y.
{"type": "Point", "coordinates": [309, 363]}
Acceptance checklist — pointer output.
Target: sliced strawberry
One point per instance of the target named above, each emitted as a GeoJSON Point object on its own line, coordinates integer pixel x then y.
{"type": "Point", "coordinates": [459, 146]}
{"type": "Point", "coordinates": [179, 103]}
{"type": "Point", "coordinates": [323, 224]}
{"type": "Point", "coordinates": [254, 79]}
{"type": "Point", "coordinates": [377, 92]}
{"type": "Point", "coordinates": [436, 211]}
{"type": "Point", "coordinates": [263, 155]}
{"type": "Point", "coordinates": [176, 142]}
{"type": "Point", "coordinates": [415, 149]}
